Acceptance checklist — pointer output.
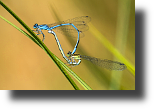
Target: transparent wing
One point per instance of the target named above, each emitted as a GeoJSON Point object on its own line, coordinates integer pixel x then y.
{"type": "Point", "coordinates": [79, 22]}
{"type": "Point", "coordinates": [108, 64]}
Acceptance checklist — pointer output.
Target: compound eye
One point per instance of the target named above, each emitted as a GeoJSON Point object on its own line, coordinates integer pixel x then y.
{"type": "Point", "coordinates": [35, 26]}
{"type": "Point", "coordinates": [69, 53]}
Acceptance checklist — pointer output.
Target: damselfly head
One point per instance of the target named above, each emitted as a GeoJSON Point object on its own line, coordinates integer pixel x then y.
{"type": "Point", "coordinates": [69, 53]}
{"type": "Point", "coordinates": [35, 26]}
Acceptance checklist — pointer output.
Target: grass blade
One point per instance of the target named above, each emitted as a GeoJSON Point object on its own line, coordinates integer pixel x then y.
{"type": "Point", "coordinates": [56, 60]}
{"type": "Point", "coordinates": [62, 69]}
{"type": "Point", "coordinates": [111, 48]}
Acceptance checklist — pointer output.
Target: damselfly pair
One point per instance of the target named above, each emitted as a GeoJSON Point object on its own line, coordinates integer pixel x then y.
{"type": "Point", "coordinates": [79, 25]}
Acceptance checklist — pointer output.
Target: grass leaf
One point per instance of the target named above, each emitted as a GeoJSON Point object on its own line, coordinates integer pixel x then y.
{"type": "Point", "coordinates": [56, 60]}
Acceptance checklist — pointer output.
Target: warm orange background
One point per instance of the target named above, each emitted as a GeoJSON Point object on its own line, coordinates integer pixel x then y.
{"type": "Point", "coordinates": [23, 65]}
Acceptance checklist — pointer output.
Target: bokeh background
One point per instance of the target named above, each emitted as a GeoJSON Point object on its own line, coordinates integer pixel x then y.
{"type": "Point", "coordinates": [25, 66]}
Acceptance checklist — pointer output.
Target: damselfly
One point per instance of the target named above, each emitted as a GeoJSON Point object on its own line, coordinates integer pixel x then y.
{"type": "Point", "coordinates": [78, 24]}
{"type": "Point", "coordinates": [108, 64]}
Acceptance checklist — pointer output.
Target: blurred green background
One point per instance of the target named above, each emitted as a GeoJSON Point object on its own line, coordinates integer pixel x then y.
{"type": "Point", "coordinates": [24, 66]}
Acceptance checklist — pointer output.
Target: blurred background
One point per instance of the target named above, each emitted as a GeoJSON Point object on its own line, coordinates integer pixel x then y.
{"type": "Point", "coordinates": [25, 66]}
